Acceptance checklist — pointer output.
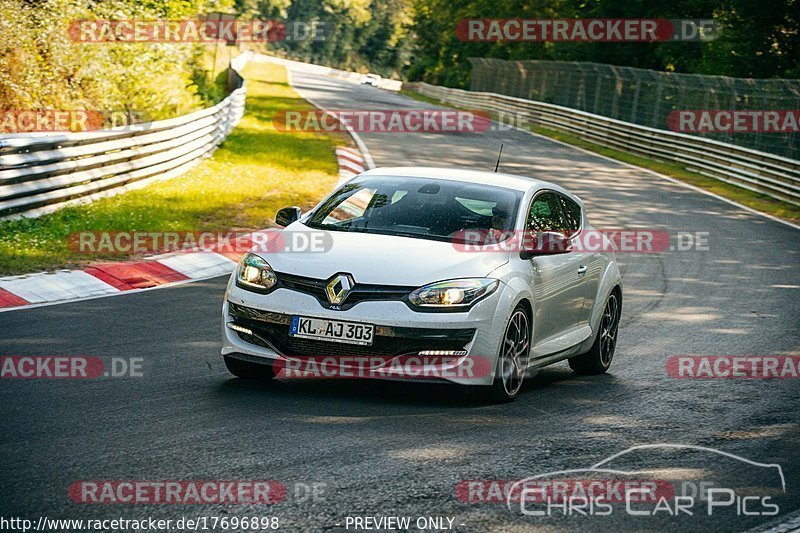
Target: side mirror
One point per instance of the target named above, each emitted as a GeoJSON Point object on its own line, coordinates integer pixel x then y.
{"type": "Point", "coordinates": [544, 243]}
{"type": "Point", "coordinates": [287, 215]}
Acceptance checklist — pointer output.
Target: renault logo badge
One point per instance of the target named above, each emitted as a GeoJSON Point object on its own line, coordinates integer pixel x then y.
{"type": "Point", "coordinates": [338, 288]}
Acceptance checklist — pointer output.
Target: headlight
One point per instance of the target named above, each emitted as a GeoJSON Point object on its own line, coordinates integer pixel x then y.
{"type": "Point", "coordinates": [457, 293]}
{"type": "Point", "coordinates": [255, 274]}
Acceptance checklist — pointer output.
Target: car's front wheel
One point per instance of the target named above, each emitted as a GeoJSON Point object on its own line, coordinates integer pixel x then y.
{"type": "Point", "coordinates": [248, 370]}
{"type": "Point", "coordinates": [512, 363]}
{"type": "Point", "coordinates": [598, 358]}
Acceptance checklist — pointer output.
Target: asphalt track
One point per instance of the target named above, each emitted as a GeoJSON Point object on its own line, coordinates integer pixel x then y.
{"type": "Point", "coordinates": [399, 449]}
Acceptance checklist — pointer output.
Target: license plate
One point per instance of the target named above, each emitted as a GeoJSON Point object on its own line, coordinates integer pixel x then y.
{"type": "Point", "coordinates": [332, 330]}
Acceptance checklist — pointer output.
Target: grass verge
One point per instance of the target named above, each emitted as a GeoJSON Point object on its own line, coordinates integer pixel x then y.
{"type": "Point", "coordinates": [754, 200]}
{"type": "Point", "coordinates": [254, 173]}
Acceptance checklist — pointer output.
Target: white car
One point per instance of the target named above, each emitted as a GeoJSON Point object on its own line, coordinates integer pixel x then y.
{"type": "Point", "coordinates": [398, 278]}
{"type": "Point", "coordinates": [371, 79]}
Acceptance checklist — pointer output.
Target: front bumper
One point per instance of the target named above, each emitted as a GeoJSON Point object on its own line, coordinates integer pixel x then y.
{"type": "Point", "coordinates": [400, 332]}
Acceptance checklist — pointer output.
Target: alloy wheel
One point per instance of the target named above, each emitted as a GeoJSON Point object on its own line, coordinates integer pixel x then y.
{"type": "Point", "coordinates": [514, 356]}
{"type": "Point", "coordinates": [608, 330]}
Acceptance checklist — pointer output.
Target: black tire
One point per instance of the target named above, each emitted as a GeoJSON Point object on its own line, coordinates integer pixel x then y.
{"type": "Point", "coordinates": [599, 357]}
{"type": "Point", "coordinates": [511, 368]}
{"type": "Point", "coordinates": [247, 370]}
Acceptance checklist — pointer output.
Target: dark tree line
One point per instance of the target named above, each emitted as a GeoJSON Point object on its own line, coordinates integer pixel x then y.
{"type": "Point", "coordinates": [416, 39]}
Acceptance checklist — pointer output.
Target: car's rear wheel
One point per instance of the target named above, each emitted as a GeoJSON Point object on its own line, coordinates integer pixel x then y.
{"type": "Point", "coordinates": [598, 358]}
{"type": "Point", "coordinates": [512, 363]}
{"type": "Point", "coordinates": [248, 370]}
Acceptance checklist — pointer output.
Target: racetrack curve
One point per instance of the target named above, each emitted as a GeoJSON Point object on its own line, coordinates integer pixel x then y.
{"type": "Point", "coordinates": [401, 449]}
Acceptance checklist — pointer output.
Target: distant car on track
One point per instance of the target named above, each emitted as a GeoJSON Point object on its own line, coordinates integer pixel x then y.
{"type": "Point", "coordinates": [371, 79]}
{"type": "Point", "coordinates": [400, 279]}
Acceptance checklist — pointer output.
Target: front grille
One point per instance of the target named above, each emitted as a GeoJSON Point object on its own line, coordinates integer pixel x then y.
{"type": "Point", "coordinates": [361, 292]}
{"type": "Point", "coordinates": [271, 330]}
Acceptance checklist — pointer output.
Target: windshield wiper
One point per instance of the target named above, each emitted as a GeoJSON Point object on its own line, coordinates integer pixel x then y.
{"type": "Point", "coordinates": [376, 231]}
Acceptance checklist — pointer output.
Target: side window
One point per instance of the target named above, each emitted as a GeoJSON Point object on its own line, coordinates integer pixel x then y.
{"type": "Point", "coordinates": [545, 214]}
{"type": "Point", "coordinates": [572, 213]}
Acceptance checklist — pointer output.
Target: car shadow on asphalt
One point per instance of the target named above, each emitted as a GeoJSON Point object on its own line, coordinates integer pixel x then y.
{"type": "Point", "coordinates": [552, 384]}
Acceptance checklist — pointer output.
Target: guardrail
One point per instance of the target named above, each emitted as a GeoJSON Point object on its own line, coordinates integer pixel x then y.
{"type": "Point", "coordinates": [387, 84]}
{"type": "Point", "coordinates": [40, 173]}
{"type": "Point", "coordinates": [769, 174]}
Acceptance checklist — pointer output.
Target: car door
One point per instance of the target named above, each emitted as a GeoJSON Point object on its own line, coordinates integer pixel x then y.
{"type": "Point", "coordinates": [591, 262]}
{"type": "Point", "coordinates": [558, 286]}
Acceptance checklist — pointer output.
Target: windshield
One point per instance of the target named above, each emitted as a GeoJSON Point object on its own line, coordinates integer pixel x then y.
{"type": "Point", "coordinates": [418, 207]}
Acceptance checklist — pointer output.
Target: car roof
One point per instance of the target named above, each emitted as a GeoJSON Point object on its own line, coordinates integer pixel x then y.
{"type": "Point", "coordinates": [499, 179]}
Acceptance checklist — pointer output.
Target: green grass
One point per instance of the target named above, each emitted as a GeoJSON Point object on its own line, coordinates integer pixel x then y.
{"type": "Point", "coordinates": [754, 200]}
{"type": "Point", "coordinates": [254, 173]}
{"type": "Point", "coordinates": [422, 98]}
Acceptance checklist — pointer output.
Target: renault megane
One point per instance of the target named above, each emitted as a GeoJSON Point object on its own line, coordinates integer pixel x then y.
{"type": "Point", "coordinates": [422, 261]}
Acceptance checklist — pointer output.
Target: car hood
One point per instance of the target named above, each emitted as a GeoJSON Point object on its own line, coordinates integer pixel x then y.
{"type": "Point", "coordinates": [380, 259]}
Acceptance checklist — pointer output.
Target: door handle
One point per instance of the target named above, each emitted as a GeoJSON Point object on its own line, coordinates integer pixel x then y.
{"type": "Point", "coordinates": [582, 269]}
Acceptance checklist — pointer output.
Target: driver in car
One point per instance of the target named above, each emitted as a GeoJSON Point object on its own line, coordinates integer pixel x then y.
{"type": "Point", "coordinates": [499, 230]}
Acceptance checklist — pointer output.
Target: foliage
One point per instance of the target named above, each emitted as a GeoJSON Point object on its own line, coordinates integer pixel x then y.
{"type": "Point", "coordinates": [359, 35]}
{"type": "Point", "coordinates": [41, 68]}
{"type": "Point", "coordinates": [759, 38]}
{"type": "Point", "coordinates": [416, 40]}
{"type": "Point", "coordinates": [407, 39]}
